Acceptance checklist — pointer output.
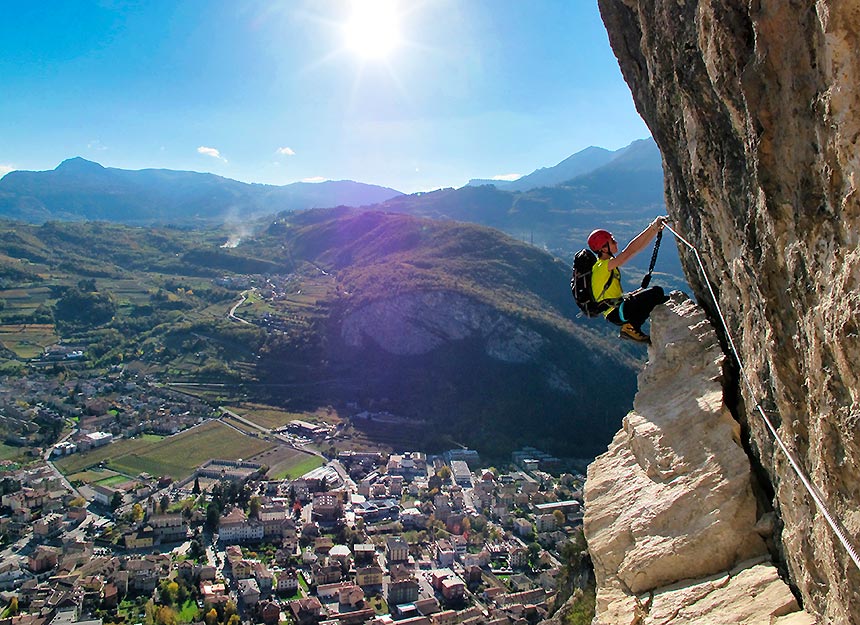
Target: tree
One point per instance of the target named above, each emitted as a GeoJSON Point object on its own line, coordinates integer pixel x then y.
{"type": "Point", "coordinates": [254, 508]}
{"type": "Point", "coordinates": [534, 552]}
{"type": "Point", "coordinates": [164, 504]}
{"type": "Point", "coordinates": [195, 550]}
{"type": "Point", "coordinates": [230, 610]}
{"type": "Point", "coordinates": [169, 592]}
{"type": "Point", "coordinates": [196, 489]}
{"type": "Point", "coordinates": [166, 616]}
{"type": "Point", "coordinates": [149, 613]}
{"type": "Point", "coordinates": [13, 606]}
{"type": "Point", "coordinates": [84, 308]}
{"type": "Point", "coordinates": [211, 617]}
{"type": "Point", "coordinates": [213, 516]}
{"type": "Point", "coordinates": [116, 500]}
{"type": "Point", "coordinates": [137, 512]}
{"type": "Point", "coordinates": [559, 517]}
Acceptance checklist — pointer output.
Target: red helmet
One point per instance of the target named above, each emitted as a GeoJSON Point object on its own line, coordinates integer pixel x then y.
{"type": "Point", "coordinates": [598, 238]}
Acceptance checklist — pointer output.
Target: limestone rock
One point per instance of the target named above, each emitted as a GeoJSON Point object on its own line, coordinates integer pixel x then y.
{"type": "Point", "coordinates": [672, 500]}
{"type": "Point", "coordinates": [756, 111]}
{"type": "Point", "coordinates": [416, 323]}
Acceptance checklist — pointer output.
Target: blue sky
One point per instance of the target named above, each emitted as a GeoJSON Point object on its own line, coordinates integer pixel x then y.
{"type": "Point", "coordinates": [288, 90]}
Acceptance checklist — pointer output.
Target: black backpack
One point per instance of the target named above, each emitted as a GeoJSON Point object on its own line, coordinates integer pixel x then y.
{"type": "Point", "coordinates": [580, 284]}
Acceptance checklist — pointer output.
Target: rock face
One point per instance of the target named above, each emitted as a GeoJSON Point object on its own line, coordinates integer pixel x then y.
{"type": "Point", "coordinates": [671, 519]}
{"type": "Point", "coordinates": [416, 323]}
{"type": "Point", "coordinates": [756, 111]}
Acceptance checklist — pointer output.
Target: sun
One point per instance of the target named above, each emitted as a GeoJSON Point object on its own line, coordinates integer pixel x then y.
{"type": "Point", "coordinates": [373, 29]}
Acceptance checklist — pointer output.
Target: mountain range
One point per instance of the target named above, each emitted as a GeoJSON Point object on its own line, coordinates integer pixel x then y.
{"type": "Point", "coordinates": [79, 189]}
{"type": "Point", "coordinates": [621, 195]}
{"type": "Point", "coordinates": [582, 162]}
{"type": "Point", "coordinates": [621, 191]}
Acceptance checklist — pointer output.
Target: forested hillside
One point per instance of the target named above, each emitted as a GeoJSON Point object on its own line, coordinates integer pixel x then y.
{"type": "Point", "coordinates": [461, 331]}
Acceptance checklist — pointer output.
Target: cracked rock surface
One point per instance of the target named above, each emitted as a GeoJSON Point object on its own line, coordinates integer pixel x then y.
{"type": "Point", "coordinates": [671, 519]}
{"type": "Point", "coordinates": [756, 109]}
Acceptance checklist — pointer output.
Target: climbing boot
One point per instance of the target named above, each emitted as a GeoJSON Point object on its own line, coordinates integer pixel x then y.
{"type": "Point", "coordinates": [632, 334]}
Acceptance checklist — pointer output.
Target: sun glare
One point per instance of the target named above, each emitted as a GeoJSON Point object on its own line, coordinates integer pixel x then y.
{"type": "Point", "coordinates": [373, 30]}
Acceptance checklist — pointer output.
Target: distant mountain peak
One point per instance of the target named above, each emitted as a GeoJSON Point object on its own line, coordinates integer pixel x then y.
{"type": "Point", "coordinates": [78, 164]}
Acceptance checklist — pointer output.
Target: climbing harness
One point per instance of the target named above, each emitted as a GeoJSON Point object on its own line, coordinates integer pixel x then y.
{"type": "Point", "coordinates": [647, 279]}
{"type": "Point", "coordinates": [813, 491]}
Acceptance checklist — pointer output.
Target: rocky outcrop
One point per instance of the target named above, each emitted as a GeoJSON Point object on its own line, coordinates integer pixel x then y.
{"type": "Point", "coordinates": [671, 520]}
{"type": "Point", "coordinates": [418, 322]}
{"type": "Point", "coordinates": [756, 111]}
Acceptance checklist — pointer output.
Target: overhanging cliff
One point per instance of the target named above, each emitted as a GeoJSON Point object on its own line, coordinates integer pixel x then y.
{"type": "Point", "coordinates": [756, 111]}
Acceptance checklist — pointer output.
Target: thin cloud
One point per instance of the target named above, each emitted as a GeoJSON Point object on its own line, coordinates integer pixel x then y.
{"type": "Point", "coordinates": [95, 144]}
{"type": "Point", "coordinates": [5, 169]}
{"type": "Point", "coordinates": [315, 179]}
{"type": "Point", "coordinates": [507, 177]}
{"type": "Point", "coordinates": [213, 152]}
{"type": "Point", "coordinates": [285, 151]}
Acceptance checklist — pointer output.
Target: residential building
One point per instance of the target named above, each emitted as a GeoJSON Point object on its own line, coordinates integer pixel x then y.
{"type": "Point", "coordinates": [369, 576]}
{"type": "Point", "coordinates": [265, 579]}
{"type": "Point", "coordinates": [396, 550]}
{"type": "Point", "coordinates": [145, 572]}
{"type": "Point", "coordinates": [236, 527]}
{"type": "Point", "coordinates": [445, 553]}
{"type": "Point", "coordinates": [305, 611]}
{"type": "Point", "coordinates": [453, 589]}
{"type": "Point", "coordinates": [43, 559]}
{"type": "Point", "coordinates": [545, 522]}
{"type": "Point", "coordinates": [48, 525]}
{"type": "Point", "coordinates": [213, 594]}
{"type": "Point", "coordinates": [168, 528]}
{"type": "Point", "coordinates": [461, 473]}
{"type": "Point", "coordinates": [326, 573]}
{"type": "Point", "coordinates": [286, 581]}
{"type": "Point", "coordinates": [249, 591]}
{"type": "Point", "coordinates": [523, 527]}
{"type": "Point", "coordinates": [365, 553]}
{"type": "Point", "coordinates": [402, 591]}
{"type": "Point", "coordinates": [269, 612]}
{"type": "Point", "coordinates": [327, 508]}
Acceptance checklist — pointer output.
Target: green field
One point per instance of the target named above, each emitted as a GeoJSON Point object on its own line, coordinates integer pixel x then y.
{"type": "Point", "coordinates": [97, 475]}
{"type": "Point", "coordinates": [9, 453]}
{"type": "Point", "coordinates": [189, 612]}
{"type": "Point", "coordinates": [113, 480]}
{"type": "Point", "coordinates": [176, 456]}
{"type": "Point", "coordinates": [285, 471]}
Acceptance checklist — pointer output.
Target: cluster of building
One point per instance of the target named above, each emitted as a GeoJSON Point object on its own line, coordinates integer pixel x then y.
{"type": "Point", "coordinates": [35, 408]}
{"type": "Point", "coordinates": [366, 538]}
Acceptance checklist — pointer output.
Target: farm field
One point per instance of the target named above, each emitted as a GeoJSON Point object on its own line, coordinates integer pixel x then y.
{"type": "Point", "coordinates": [273, 418]}
{"type": "Point", "coordinates": [176, 456]}
{"type": "Point", "coordinates": [76, 463]}
{"type": "Point", "coordinates": [284, 462]}
{"type": "Point", "coordinates": [7, 452]}
{"type": "Point", "coordinates": [27, 340]}
{"type": "Point", "coordinates": [97, 476]}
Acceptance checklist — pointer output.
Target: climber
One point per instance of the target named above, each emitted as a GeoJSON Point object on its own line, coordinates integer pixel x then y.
{"type": "Point", "coordinates": [632, 309]}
